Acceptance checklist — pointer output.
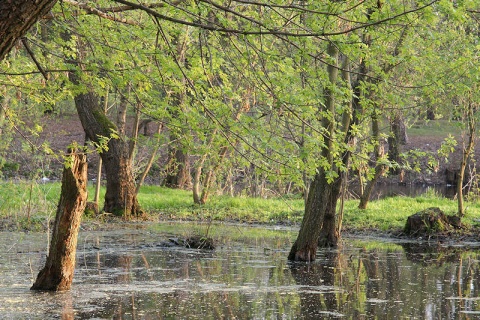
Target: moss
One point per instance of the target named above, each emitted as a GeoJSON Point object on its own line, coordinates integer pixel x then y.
{"type": "Point", "coordinates": [429, 221]}
{"type": "Point", "coordinates": [119, 212]}
{"type": "Point", "coordinates": [438, 226]}
{"type": "Point", "coordinates": [107, 126]}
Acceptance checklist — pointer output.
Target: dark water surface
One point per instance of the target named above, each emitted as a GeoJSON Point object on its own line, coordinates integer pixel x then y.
{"type": "Point", "coordinates": [125, 274]}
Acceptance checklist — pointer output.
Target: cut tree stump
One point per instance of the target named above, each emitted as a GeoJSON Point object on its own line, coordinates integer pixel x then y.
{"type": "Point", "coordinates": [57, 274]}
{"type": "Point", "coordinates": [429, 221]}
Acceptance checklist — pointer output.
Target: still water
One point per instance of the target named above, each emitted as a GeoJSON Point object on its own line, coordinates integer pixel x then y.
{"type": "Point", "coordinates": [127, 274]}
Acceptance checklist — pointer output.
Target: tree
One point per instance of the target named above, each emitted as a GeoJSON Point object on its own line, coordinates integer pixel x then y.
{"type": "Point", "coordinates": [299, 51]}
{"type": "Point", "coordinates": [178, 165]}
{"type": "Point", "coordinates": [321, 224]}
{"type": "Point", "coordinates": [467, 149]}
{"type": "Point", "coordinates": [320, 208]}
{"type": "Point", "coordinates": [121, 195]}
{"type": "Point", "coordinates": [57, 274]}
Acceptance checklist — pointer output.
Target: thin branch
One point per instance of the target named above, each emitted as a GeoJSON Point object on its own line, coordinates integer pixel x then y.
{"type": "Point", "coordinates": [129, 8]}
{"type": "Point", "coordinates": [32, 55]}
{"type": "Point", "coordinates": [99, 12]}
{"type": "Point", "coordinates": [270, 30]}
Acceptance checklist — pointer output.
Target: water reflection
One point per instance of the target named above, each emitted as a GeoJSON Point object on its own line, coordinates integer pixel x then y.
{"type": "Point", "coordinates": [127, 275]}
{"type": "Point", "coordinates": [318, 292]}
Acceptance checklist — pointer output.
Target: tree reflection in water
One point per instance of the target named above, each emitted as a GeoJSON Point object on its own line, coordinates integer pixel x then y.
{"type": "Point", "coordinates": [318, 294]}
{"type": "Point", "coordinates": [126, 276]}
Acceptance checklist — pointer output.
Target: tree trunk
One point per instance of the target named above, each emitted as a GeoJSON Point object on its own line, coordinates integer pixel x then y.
{"type": "Point", "coordinates": [150, 160]}
{"type": "Point", "coordinates": [16, 17]}
{"type": "Point", "coordinates": [120, 196]}
{"type": "Point", "coordinates": [196, 183]}
{"type": "Point", "coordinates": [322, 198]}
{"type": "Point", "coordinates": [178, 170]}
{"type": "Point", "coordinates": [211, 175]}
{"type": "Point", "coordinates": [57, 275]}
{"type": "Point", "coordinates": [329, 234]}
{"type": "Point", "coordinates": [379, 168]}
{"type": "Point", "coordinates": [319, 211]}
{"type": "Point", "coordinates": [398, 137]}
{"type": "Point", "coordinates": [467, 150]}
{"type": "Point", "coordinates": [430, 113]}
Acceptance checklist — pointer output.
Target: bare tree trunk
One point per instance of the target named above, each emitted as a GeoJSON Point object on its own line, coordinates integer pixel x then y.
{"type": "Point", "coordinates": [134, 136]}
{"type": "Point", "coordinates": [122, 115]}
{"type": "Point", "coordinates": [319, 210]}
{"type": "Point", "coordinates": [329, 233]}
{"type": "Point", "coordinates": [211, 175]}
{"type": "Point", "coordinates": [179, 170]}
{"type": "Point", "coordinates": [98, 184]}
{"type": "Point", "coordinates": [197, 194]}
{"type": "Point", "coordinates": [57, 275]}
{"type": "Point", "coordinates": [196, 181]}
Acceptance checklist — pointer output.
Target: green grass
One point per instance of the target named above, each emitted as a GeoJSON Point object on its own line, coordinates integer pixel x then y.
{"type": "Point", "coordinates": [178, 204]}
{"type": "Point", "coordinates": [19, 204]}
{"type": "Point", "coordinates": [435, 128]}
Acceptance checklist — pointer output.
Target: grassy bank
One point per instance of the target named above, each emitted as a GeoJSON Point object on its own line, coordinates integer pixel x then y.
{"type": "Point", "coordinates": [27, 203]}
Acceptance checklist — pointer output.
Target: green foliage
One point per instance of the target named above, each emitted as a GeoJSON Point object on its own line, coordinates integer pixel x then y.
{"type": "Point", "coordinates": [261, 97]}
{"type": "Point", "coordinates": [447, 147]}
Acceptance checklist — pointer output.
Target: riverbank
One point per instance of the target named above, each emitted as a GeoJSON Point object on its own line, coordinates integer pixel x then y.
{"type": "Point", "coordinates": [30, 206]}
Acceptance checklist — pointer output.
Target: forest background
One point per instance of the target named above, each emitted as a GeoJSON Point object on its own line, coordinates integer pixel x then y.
{"type": "Point", "coordinates": [244, 97]}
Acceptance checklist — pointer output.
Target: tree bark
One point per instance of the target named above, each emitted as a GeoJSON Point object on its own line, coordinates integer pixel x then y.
{"type": "Point", "coordinates": [178, 170]}
{"type": "Point", "coordinates": [379, 168]}
{"type": "Point", "coordinates": [319, 211]}
{"type": "Point", "coordinates": [120, 197]}
{"type": "Point", "coordinates": [16, 17]}
{"type": "Point", "coordinates": [57, 275]}
{"type": "Point", "coordinates": [398, 137]}
{"type": "Point", "coordinates": [467, 151]}
{"type": "Point", "coordinates": [322, 196]}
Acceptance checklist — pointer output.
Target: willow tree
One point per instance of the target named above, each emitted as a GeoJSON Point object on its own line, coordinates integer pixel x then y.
{"type": "Point", "coordinates": [91, 75]}
{"type": "Point", "coordinates": [345, 108]}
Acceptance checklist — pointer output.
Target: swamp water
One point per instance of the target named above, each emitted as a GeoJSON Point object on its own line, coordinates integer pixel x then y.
{"type": "Point", "coordinates": [126, 274]}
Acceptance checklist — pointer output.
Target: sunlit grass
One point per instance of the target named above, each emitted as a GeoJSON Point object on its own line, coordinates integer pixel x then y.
{"type": "Point", "coordinates": [33, 201]}
{"type": "Point", "coordinates": [392, 213]}
{"type": "Point", "coordinates": [170, 203]}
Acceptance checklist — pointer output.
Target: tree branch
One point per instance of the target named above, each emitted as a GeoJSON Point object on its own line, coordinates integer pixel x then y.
{"type": "Point", "coordinates": [32, 55]}
{"type": "Point", "coordinates": [99, 12]}
{"type": "Point", "coordinates": [129, 8]}
{"type": "Point", "coordinates": [268, 30]}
